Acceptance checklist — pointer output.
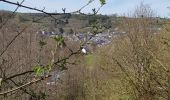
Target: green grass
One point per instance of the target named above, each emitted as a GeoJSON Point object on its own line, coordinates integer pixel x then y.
{"type": "Point", "coordinates": [90, 60]}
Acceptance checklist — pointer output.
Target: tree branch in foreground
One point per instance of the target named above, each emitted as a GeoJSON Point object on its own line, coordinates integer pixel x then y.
{"type": "Point", "coordinates": [24, 85]}
{"type": "Point", "coordinates": [16, 75]}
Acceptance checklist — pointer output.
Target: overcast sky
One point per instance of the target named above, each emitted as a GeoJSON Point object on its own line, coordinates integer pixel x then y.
{"type": "Point", "coordinates": [112, 6]}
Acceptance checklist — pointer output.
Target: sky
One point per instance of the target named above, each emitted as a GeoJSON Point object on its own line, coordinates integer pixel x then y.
{"type": "Point", "coordinates": [119, 7]}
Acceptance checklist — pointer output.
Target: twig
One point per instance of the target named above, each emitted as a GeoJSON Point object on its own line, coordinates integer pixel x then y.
{"type": "Point", "coordinates": [27, 84]}
{"type": "Point", "coordinates": [19, 33]}
{"type": "Point", "coordinates": [79, 11]}
{"type": "Point", "coordinates": [35, 9]}
{"type": "Point", "coordinates": [125, 72]}
{"type": "Point", "coordinates": [24, 90]}
{"type": "Point", "coordinates": [3, 24]}
{"type": "Point", "coordinates": [16, 75]}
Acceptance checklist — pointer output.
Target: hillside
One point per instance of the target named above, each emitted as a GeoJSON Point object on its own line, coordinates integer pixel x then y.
{"type": "Point", "coordinates": [83, 57]}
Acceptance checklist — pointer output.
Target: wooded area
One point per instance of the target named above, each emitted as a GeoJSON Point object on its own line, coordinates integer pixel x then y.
{"type": "Point", "coordinates": [79, 56]}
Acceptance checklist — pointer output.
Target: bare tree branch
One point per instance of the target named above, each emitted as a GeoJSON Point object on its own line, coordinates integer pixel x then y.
{"type": "Point", "coordinates": [27, 84]}
{"type": "Point", "coordinates": [35, 9]}
{"type": "Point", "coordinates": [8, 45]}
{"type": "Point", "coordinates": [16, 75]}
{"type": "Point", "coordinates": [13, 13]}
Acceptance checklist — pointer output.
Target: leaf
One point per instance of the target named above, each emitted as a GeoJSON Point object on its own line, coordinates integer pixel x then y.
{"type": "Point", "coordinates": [62, 65]}
{"type": "Point", "coordinates": [59, 40]}
{"type": "Point", "coordinates": [39, 70]}
{"type": "Point", "coordinates": [49, 67]}
{"type": "Point", "coordinates": [102, 2]}
{"type": "Point", "coordinates": [42, 43]}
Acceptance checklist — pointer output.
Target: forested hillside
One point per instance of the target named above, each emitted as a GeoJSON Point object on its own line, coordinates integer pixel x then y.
{"type": "Point", "coordinates": [78, 56]}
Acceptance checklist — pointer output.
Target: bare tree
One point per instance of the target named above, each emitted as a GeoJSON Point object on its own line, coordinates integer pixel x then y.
{"type": "Point", "coordinates": [136, 53]}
